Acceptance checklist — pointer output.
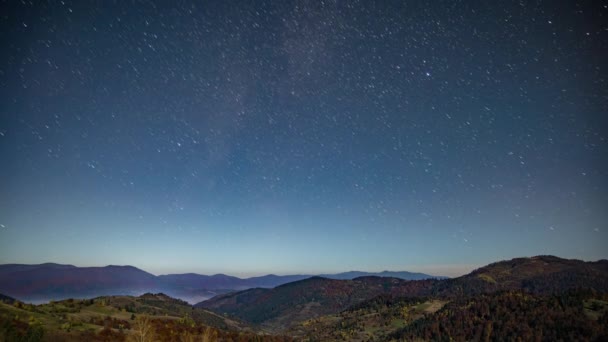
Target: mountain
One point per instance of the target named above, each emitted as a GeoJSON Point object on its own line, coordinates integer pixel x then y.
{"type": "Point", "coordinates": [194, 287]}
{"type": "Point", "coordinates": [391, 274]}
{"type": "Point", "coordinates": [542, 298]}
{"type": "Point", "coordinates": [149, 317]}
{"type": "Point", "coordinates": [12, 268]}
{"type": "Point", "coordinates": [193, 280]}
{"type": "Point", "coordinates": [222, 281]}
{"type": "Point", "coordinates": [275, 309]}
{"type": "Point", "coordinates": [50, 281]}
{"type": "Point", "coordinates": [371, 320]}
{"type": "Point", "coordinates": [272, 280]}
{"type": "Point", "coordinates": [574, 315]}
{"type": "Point", "coordinates": [544, 274]}
{"type": "Point", "coordinates": [6, 299]}
{"type": "Point", "coordinates": [41, 282]}
{"type": "Point", "coordinates": [279, 308]}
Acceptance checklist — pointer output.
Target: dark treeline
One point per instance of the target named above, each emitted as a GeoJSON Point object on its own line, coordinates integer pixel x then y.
{"type": "Point", "coordinates": [516, 315]}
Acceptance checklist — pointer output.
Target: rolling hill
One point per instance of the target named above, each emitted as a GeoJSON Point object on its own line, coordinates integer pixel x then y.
{"type": "Point", "coordinates": [277, 309]}
{"type": "Point", "coordinates": [543, 274]}
{"type": "Point", "coordinates": [539, 298]}
{"type": "Point", "coordinates": [120, 318]}
{"type": "Point", "coordinates": [400, 275]}
{"type": "Point", "coordinates": [575, 315]}
{"type": "Point", "coordinates": [6, 299]}
{"type": "Point", "coordinates": [50, 281]}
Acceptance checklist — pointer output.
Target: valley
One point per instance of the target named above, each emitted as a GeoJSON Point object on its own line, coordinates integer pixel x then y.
{"type": "Point", "coordinates": [538, 298]}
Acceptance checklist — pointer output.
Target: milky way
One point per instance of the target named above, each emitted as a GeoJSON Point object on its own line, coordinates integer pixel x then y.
{"type": "Point", "coordinates": [302, 136]}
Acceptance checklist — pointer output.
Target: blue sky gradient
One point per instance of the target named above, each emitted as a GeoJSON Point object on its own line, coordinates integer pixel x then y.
{"type": "Point", "coordinates": [293, 137]}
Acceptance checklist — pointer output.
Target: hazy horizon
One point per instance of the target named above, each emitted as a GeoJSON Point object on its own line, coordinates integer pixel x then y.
{"type": "Point", "coordinates": [448, 270]}
{"type": "Point", "coordinates": [454, 270]}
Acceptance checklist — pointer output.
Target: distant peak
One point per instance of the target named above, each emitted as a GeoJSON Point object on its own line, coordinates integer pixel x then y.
{"type": "Point", "coordinates": [159, 295]}
{"type": "Point", "coordinates": [123, 267]}
{"type": "Point", "coordinates": [53, 264]}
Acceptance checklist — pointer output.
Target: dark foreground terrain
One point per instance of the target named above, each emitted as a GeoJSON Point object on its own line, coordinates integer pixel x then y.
{"type": "Point", "coordinates": [543, 298]}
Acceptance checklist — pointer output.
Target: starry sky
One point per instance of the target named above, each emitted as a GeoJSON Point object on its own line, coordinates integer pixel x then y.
{"type": "Point", "coordinates": [294, 136]}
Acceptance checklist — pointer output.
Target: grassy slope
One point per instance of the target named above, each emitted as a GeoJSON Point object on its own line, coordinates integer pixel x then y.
{"type": "Point", "coordinates": [66, 319]}
{"type": "Point", "coordinates": [373, 319]}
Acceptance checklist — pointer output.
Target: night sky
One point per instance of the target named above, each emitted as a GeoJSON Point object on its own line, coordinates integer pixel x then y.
{"type": "Point", "coordinates": [302, 136]}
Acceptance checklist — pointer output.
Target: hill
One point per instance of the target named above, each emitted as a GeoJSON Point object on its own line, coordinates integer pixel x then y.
{"type": "Point", "coordinates": [6, 299]}
{"type": "Point", "coordinates": [400, 275]}
{"type": "Point", "coordinates": [541, 298]}
{"type": "Point", "coordinates": [505, 315]}
{"type": "Point", "coordinates": [50, 281]}
{"type": "Point", "coordinates": [279, 308]}
{"type": "Point", "coordinates": [116, 318]}
{"type": "Point", "coordinates": [575, 315]}
{"type": "Point", "coordinates": [276, 309]}
{"type": "Point", "coordinates": [542, 274]}
{"type": "Point", "coordinates": [374, 319]}
{"type": "Point", "coordinates": [37, 283]}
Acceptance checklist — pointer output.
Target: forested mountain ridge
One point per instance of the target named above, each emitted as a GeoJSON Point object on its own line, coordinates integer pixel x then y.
{"type": "Point", "coordinates": [282, 308]}
{"type": "Point", "coordinates": [543, 274]}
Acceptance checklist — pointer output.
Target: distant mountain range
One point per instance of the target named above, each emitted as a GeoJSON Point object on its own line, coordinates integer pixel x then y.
{"type": "Point", "coordinates": [400, 275]}
{"type": "Point", "coordinates": [542, 298]}
{"type": "Point", "coordinates": [50, 281]}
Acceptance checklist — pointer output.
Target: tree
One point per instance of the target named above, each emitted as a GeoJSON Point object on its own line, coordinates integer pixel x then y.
{"type": "Point", "coordinates": [142, 329]}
